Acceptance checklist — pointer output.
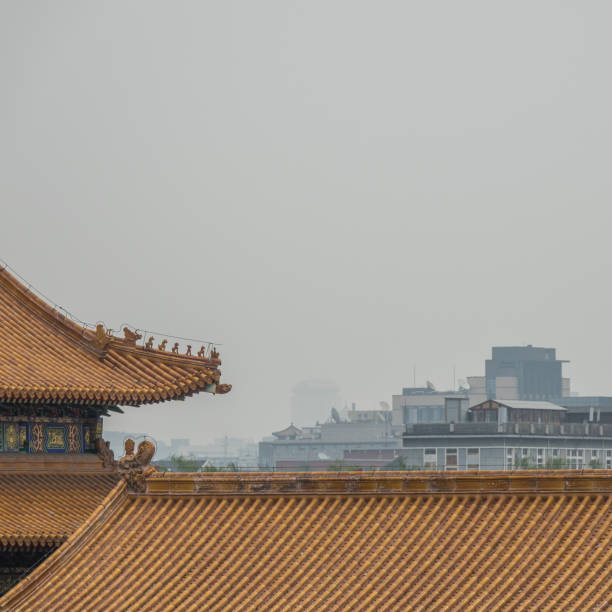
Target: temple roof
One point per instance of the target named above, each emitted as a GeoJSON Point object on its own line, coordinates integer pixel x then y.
{"type": "Point", "coordinates": [519, 405]}
{"type": "Point", "coordinates": [290, 432]}
{"type": "Point", "coordinates": [46, 357]}
{"type": "Point", "coordinates": [341, 541]}
{"type": "Point", "coordinates": [41, 509]}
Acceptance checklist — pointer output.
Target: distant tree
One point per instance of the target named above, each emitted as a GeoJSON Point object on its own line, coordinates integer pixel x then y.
{"type": "Point", "coordinates": [595, 464]}
{"type": "Point", "coordinates": [340, 466]}
{"type": "Point", "coordinates": [557, 463]}
{"type": "Point", "coordinates": [178, 463]}
{"type": "Point", "coordinates": [524, 463]}
{"type": "Point", "coordinates": [399, 463]}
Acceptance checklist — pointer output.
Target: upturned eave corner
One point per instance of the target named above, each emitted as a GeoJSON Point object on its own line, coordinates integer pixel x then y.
{"type": "Point", "coordinates": [222, 389]}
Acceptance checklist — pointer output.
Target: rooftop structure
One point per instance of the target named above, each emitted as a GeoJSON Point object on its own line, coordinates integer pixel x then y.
{"type": "Point", "coordinates": [585, 408]}
{"type": "Point", "coordinates": [421, 405]}
{"type": "Point", "coordinates": [524, 373]}
{"type": "Point", "coordinates": [289, 433]}
{"type": "Point", "coordinates": [351, 541]}
{"type": "Point", "coordinates": [516, 411]}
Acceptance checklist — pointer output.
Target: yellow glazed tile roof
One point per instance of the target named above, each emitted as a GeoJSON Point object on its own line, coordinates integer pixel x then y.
{"type": "Point", "coordinates": [380, 541]}
{"type": "Point", "coordinates": [43, 509]}
{"type": "Point", "coordinates": [45, 357]}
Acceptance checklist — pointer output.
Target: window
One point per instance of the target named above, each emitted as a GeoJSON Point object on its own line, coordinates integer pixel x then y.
{"type": "Point", "coordinates": [555, 452]}
{"type": "Point", "coordinates": [593, 453]}
{"type": "Point", "coordinates": [609, 453]}
{"type": "Point", "coordinates": [451, 458]}
{"type": "Point", "coordinates": [540, 452]}
{"type": "Point", "coordinates": [509, 452]}
{"type": "Point", "coordinates": [525, 452]}
{"type": "Point", "coordinates": [473, 458]}
{"type": "Point", "coordinates": [430, 459]}
{"type": "Point", "coordinates": [576, 458]}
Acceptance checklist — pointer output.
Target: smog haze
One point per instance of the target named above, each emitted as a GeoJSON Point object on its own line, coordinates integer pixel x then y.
{"type": "Point", "coordinates": [352, 191]}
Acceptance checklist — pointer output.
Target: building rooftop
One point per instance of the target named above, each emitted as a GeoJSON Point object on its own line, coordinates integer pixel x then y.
{"type": "Point", "coordinates": [46, 357]}
{"type": "Point", "coordinates": [522, 405]}
{"type": "Point", "coordinates": [289, 432]}
{"type": "Point", "coordinates": [524, 353]}
{"type": "Point", "coordinates": [40, 507]}
{"type": "Point", "coordinates": [358, 541]}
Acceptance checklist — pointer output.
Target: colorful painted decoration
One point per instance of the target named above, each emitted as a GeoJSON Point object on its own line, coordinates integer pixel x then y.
{"type": "Point", "coordinates": [55, 438]}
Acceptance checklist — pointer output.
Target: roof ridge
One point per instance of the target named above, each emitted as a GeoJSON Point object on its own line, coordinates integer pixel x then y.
{"type": "Point", "coordinates": [377, 483]}
{"type": "Point", "coordinates": [48, 314]}
{"type": "Point", "coordinates": [100, 340]}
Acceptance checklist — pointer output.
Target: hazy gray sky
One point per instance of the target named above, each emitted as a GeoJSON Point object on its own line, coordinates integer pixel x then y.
{"type": "Point", "coordinates": [330, 189]}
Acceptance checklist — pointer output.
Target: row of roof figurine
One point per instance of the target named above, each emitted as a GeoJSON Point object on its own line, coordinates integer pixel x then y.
{"type": "Point", "coordinates": [131, 337]}
{"type": "Point", "coordinates": [175, 348]}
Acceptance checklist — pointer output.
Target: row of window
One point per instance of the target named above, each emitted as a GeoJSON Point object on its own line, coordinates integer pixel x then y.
{"type": "Point", "coordinates": [430, 458]}
{"type": "Point", "coordinates": [575, 458]}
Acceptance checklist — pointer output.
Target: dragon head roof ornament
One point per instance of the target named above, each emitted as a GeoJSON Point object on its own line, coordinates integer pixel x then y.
{"type": "Point", "coordinates": [136, 467]}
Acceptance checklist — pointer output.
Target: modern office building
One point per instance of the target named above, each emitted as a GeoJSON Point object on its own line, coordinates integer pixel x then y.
{"type": "Point", "coordinates": [525, 373]}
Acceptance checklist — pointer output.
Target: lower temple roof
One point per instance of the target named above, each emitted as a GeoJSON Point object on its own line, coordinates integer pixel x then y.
{"type": "Point", "coordinates": [41, 509]}
{"type": "Point", "coordinates": [349, 541]}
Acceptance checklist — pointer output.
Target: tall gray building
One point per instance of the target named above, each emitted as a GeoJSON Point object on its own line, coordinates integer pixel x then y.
{"type": "Point", "coordinates": [525, 373]}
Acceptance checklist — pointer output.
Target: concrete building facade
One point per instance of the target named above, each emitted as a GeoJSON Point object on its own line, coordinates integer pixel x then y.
{"type": "Point", "coordinates": [506, 435]}
{"type": "Point", "coordinates": [422, 405]}
{"type": "Point", "coordinates": [492, 446]}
